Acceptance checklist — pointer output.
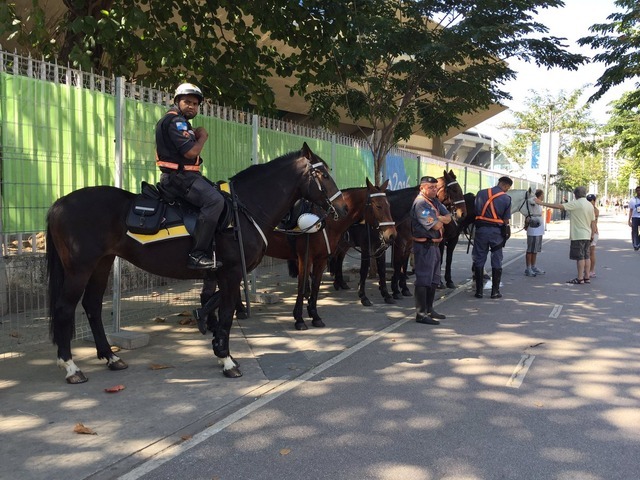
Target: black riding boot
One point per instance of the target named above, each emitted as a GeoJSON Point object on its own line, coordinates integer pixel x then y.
{"type": "Point", "coordinates": [478, 276]}
{"type": "Point", "coordinates": [200, 258]}
{"type": "Point", "coordinates": [431, 295]}
{"type": "Point", "coordinates": [422, 309]}
{"type": "Point", "coordinates": [496, 276]}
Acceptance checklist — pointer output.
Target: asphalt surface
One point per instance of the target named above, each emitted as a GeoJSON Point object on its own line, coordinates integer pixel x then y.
{"type": "Point", "coordinates": [541, 384]}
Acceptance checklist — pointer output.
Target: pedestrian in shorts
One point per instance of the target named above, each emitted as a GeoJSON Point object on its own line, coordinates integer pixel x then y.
{"type": "Point", "coordinates": [535, 230]}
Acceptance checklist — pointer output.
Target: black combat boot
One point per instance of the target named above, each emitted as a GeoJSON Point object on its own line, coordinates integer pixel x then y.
{"type": "Point", "coordinates": [200, 258]}
{"type": "Point", "coordinates": [431, 295]}
{"type": "Point", "coordinates": [496, 276]}
{"type": "Point", "coordinates": [422, 311]}
{"type": "Point", "coordinates": [478, 276]}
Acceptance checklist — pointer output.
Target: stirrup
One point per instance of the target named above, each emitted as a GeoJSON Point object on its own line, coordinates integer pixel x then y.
{"type": "Point", "coordinates": [200, 260]}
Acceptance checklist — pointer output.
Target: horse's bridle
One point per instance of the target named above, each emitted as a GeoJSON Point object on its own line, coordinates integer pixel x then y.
{"type": "Point", "coordinates": [383, 244]}
{"type": "Point", "coordinates": [319, 171]}
{"type": "Point", "coordinates": [451, 204]}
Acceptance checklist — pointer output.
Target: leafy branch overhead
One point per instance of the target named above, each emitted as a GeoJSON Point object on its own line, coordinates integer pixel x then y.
{"type": "Point", "coordinates": [618, 45]}
{"type": "Point", "coordinates": [392, 68]}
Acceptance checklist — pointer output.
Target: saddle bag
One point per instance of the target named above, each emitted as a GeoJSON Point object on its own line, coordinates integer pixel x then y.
{"type": "Point", "coordinates": [145, 215]}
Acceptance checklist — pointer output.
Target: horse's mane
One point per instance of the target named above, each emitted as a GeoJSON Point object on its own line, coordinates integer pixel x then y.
{"type": "Point", "coordinates": [276, 162]}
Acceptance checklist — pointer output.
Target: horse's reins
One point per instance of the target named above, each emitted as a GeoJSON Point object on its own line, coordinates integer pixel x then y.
{"type": "Point", "coordinates": [383, 244]}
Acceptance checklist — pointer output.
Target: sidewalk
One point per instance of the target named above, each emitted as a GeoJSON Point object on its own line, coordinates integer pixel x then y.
{"type": "Point", "coordinates": [175, 389]}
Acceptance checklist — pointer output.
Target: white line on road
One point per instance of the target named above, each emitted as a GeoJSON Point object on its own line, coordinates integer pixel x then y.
{"type": "Point", "coordinates": [520, 371]}
{"type": "Point", "coordinates": [555, 313]}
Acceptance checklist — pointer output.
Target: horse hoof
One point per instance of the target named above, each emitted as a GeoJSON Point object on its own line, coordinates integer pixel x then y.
{"type": "Point", "coordinates": [241, 315]}
{"type": "Point", "coordinates": [440, 286]}
{"type": "Point", "coordinates": [451, 285]}
{"type": "Point", "coordinates": [301, 326]}
{"type": "Point", "coordinates": [232, 373]}
{"type": "Point", "coordinates": [318, 323]}
{"type": "Point", "coordinates": [366, 302]}
{"type": "Point", "coordinates": [406, 293]}
{"type": "Point", "coordinates": [389, 300]}
{"type": "Point", "coordinates": [117, 365]}
{"type": "Point", "coordinates": [76, 378]}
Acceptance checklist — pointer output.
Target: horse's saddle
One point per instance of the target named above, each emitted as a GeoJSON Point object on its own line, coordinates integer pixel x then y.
{"type": "Point", "coordinates": [157, 215]}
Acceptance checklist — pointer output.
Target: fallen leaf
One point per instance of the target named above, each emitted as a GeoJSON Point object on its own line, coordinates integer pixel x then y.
{"type": "Point", "coordinates": [186, 437]}
{"type": "Point", "coordinates": [159, 319]}
{"type": "Point", "coordinates": [186, 313]}
{"type": "Point", "coordinates": [285, 451]}
{"type": "Point", "coordinates": [15, 334]}
{"type": "Point", "coordinates": [187, 321]}
{"type": "Point", "coordinates": [80, 428]}
{"type": "Point", "coordinates": [158, 366]}
{"type": "Point", "coordinates": [155, 294]}
{"type": "Point", "coordinates": [115, 348]}
{"type": "Point", "coordinates": [114, 389]}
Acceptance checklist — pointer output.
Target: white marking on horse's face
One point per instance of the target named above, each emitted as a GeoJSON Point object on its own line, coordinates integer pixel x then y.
{"type": "Point", "coordinates": [69, 366]}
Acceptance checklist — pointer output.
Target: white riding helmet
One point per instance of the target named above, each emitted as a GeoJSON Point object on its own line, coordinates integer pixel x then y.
{"type": "Point", "coordinates": [309, 223]}
{"type": "Point", "coordinates": [188, 89]}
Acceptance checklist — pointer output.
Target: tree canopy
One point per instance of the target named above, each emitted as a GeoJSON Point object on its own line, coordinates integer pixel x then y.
{"type": "Point", "coordinates": [580, 159]}
{"type": "Point", "coordinates": [393, 67]}
{"type": "Point", "coordinates": [399, 67]}
{"type": "Point", "coordinates": [619, 45]}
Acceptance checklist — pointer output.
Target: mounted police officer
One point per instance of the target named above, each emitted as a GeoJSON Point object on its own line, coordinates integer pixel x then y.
{"type": "Point", "coordinates": [178, 148]}
{"type": "Point", "coordinates": [428, 217]}
{"type": "Point", "coordinates": [492, 230]}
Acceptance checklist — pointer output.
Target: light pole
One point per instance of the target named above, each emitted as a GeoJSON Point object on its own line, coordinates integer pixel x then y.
{"type": "Point", "coordinates": [547, 178]}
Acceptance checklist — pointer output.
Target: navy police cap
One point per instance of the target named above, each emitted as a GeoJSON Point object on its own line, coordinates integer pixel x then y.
{"type": "Point", "coordinates": [428, 179]}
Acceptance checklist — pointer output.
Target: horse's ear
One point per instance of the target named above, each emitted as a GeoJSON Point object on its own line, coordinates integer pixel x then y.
{"type": "Point", "coordinates": [369, 184]}
{"type": "Point", "coordinates": [384, 186]}
{"type": "Point", "coordinates": [306, 151]}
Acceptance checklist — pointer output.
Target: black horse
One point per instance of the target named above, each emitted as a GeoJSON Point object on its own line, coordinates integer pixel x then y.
{"type": "Point", "coordinates": [86, 230]}
{"type": "Point", "coordinates": [453, 231]}
{"type": "Point", "coordinates": [449, 193]}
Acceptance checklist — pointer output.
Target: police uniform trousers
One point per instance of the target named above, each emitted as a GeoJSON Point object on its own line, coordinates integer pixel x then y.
{"type": "Point", "coordinates": [426, 264]}
{"type": "Point", "coordinates": [200, 193]}
{"type": "Point", "coordinates": [487, 239]}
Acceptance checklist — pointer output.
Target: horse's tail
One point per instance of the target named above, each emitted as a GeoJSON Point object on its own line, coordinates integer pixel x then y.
{"type": "Point", "coordinates": [55, 275]}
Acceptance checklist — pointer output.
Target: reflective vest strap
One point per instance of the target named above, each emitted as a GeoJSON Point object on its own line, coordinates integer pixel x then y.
{"type": "Point", "coordinates": [489, 204]}
{"type": "Point", "coordinates": [172, 165]}
{"type": "Point", "coordinates": [176, 166]}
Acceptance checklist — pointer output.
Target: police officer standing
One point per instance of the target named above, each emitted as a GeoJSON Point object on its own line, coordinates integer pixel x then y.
{"type": "Point", "coordinates": [178, 148]}
{"type": "Point", "coordinates": [492, 230]}
{"type": "Point", "coordinates": [428, 217]}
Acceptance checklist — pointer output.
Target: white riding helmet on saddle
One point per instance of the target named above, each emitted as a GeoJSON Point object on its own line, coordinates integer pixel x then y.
{"type": "Point", "coordinates": [187, 89]}
{"type": "Point", "coordinates": [309, 223]}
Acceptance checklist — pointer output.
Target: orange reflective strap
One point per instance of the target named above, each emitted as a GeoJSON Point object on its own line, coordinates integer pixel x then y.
{"type": "Point", "coordinates": [176, 166]}
{"type": "Point", "coordinates": [489, 204]}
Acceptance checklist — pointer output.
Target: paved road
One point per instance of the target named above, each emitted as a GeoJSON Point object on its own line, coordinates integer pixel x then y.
{"type": "Point", "coordinates": [542, 384]}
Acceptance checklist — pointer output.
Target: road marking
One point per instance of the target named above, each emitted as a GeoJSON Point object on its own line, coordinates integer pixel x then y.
{"type": "Point", "coordinates": [556, 311]}
{"type": "Point", "coordinates": [520, 371]}
{"type": "Point", "coordinates": [272, 391]}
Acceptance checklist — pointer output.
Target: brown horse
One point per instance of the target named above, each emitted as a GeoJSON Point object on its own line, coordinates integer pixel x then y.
{"type": "Point", "coordinates": [449, 193]}
{"type": "Point", "coordinates": [86, 230]}
{"type": "Point", "coordinates": [311, 251]}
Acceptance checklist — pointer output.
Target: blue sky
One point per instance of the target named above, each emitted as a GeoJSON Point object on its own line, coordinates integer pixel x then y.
{"type": "Point", "coordinates": [571, 22]}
